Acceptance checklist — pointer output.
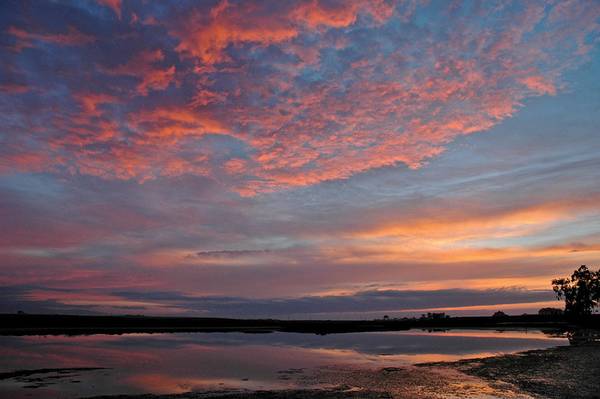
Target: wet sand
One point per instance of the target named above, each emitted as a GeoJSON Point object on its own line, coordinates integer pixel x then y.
{"type": "Point", "coordinates": [562, 372]}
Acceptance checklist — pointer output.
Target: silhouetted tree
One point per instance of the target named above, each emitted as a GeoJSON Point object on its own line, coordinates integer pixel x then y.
{"type": "Point", "coordinates": [581, 291]}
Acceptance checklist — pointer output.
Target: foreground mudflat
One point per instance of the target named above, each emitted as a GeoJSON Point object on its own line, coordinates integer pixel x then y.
{"type": "Point", "coordinates": [297, 394]}
{"type": "Point", "coordinates": [562, 372]}
{"type": "Point", "coordinates": [371, 384]}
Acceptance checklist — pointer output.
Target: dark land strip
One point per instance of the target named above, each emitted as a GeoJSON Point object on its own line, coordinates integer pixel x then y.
{"type": "Point", "coordinates": [26, 324]}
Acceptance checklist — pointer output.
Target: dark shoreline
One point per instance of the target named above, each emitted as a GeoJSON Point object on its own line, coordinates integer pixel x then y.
{"type": "Point", "coordinates": [26, 324]}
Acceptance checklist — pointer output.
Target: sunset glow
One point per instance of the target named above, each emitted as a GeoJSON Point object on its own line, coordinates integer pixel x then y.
{"type": "Point", "coordinates": [312, 158]}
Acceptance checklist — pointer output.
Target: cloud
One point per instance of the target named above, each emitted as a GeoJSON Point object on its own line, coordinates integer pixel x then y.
{"type": "Point", "coordinates": [38, 299]}
{"type": "Point", "coordinates": [361, 302]}
{"type": "Point", "coordinates": [323, 91]}
{"type": "Point", "coordinates": [73, 37]}
{"type": "Point", "coordinates": [14, 88]}
{"type": "Point", "coordinates": [142, 66]}
{"type": "Point", "coordinates": [14, 299]}
{"type": "Point", "coordinates": [114, 5]}
{"type": "Point", "coordinates": [228, 253]}
{"type": "Point", "coordinates": [482, 220]}
{"type": "Point", "coordinates": [207, 35]}
{"type": "Point", "coordinates": [539, 85]}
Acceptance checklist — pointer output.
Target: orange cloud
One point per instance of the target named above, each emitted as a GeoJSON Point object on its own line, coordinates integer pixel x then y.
{"type": "Point", "coordinates": [172, 123]}
{"type": "Point", "coordinates": [73, 37]}
{"type": "Point", "coordinates": [142, 66]}
{"type": "Point", "coordinates": [419, 250]}
{"type": "Point", "coordinates": [90, 102]}
{"type": "Point", "coordinates": [206, 36]}
{"type": "Point", "coordinates": [468, 233]}
{"type": "Point", "coordinates": [159, 142]}
{"type": "Point", "coordinates": [470, 222]}
{"type": "Point", "coordinates": [539, 84]}
{"type": "Point", "coordinates": [315, 13]}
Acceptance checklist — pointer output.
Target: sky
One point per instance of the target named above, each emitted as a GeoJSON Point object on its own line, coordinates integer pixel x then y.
{"type": "Point", "coordinates": [308, 159]}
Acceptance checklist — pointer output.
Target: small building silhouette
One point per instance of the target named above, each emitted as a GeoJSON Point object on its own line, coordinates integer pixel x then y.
{"type": "Point", "coordinates": [434, 316]}
{"type": "Point", "coordinates": [550, 312]}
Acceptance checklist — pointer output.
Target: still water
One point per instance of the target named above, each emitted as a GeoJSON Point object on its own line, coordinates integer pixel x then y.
{"type": "Point", "coordinates": [176, 363]}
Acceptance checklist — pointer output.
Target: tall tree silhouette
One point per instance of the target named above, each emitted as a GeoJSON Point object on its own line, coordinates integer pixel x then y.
{"type": "Point", "coordinates": [581, 291]}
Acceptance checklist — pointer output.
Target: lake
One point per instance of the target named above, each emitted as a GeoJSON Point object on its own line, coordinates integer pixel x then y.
{"type": "Point", "coordinates": [180, 362]}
